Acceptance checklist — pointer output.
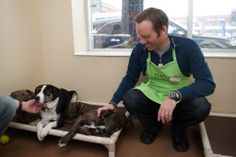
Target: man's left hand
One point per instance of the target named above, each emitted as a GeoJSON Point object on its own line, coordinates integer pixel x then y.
{"type": "Point", "coordinates": [166, 110]}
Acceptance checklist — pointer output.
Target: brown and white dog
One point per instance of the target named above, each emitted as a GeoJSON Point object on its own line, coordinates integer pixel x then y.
{"type": "Point", "coordinates": [87, 122]}
{"type": "Point", "coordinates": [55, 102]}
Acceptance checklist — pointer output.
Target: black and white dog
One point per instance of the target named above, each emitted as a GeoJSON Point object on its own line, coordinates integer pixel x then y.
{"type": "Point", "coordinates": [55, 102]}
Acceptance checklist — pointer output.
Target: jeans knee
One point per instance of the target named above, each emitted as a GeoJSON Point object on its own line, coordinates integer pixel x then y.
{"type": "Point", "coordinates": [11, 110]}
{"type": "Point", "coordinates": [8, 107]}
{"type": "Point", "coordinates": [131, 100]}
{"type": "Point", "coordinates": [201, 108]}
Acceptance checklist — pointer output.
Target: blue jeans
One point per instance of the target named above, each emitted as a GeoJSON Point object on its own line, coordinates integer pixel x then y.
{"type": "Point", "coordinates": [7, 112]}
{"type": "Point", "coordinates": [185, 114]}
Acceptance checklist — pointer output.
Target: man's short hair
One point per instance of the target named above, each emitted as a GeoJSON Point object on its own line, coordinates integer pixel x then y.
{"type": "Point", "coordinates": [156, 16]}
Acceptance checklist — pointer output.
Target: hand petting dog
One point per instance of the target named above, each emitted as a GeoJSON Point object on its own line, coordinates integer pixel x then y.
{"type": "Point", "coordinates": [104, 108]}
{"type": "Point", "coordinates": [30, 106]}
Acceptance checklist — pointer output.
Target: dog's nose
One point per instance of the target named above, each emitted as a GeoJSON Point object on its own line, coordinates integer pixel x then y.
{"type": "Point", "coordinates": [37, 98]}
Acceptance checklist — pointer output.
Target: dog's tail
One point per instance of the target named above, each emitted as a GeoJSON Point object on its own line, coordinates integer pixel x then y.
{"type": "Point", "coordinates": [74, 96]}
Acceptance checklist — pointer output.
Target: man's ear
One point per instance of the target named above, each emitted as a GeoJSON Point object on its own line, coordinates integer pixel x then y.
{"type": "Point", "coordinates": [163, 29]}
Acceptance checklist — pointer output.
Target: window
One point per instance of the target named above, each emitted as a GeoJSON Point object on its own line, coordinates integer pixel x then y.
{"type": "Point", "coordinates": [112, 22]}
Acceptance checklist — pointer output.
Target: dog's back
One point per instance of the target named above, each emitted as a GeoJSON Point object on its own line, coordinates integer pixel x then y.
{"type": "Point", "coordinates": [86, 121]}
{"type": "Point", "coordinates": [111, 120]}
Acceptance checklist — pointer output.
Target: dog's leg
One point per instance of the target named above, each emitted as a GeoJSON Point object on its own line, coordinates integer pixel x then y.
{"type": "Point", "coordinates": [40, 126]}
{"type": "Point", "coordinates": [67, 138]}
{"type": "Point", "coordinates": [48, 127]}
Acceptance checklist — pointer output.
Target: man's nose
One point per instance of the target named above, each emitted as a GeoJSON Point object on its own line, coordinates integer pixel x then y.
{"type": "Point", "coordinates": [142, 41]}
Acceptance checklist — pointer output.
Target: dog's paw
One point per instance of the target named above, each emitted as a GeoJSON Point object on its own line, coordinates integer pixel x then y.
{"type": "Point", "coordinates": [62, 142]}
{"type": "Point", "coordinates": [39, 133]}
{"type": "Point", "coordinates": [44, 132]}
{"type": "Point", "coordinates": [40, 137]}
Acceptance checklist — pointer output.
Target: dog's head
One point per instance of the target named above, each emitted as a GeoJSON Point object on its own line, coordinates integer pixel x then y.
{"type": "Point", "coordinates": [51, 96]}
{"type": "Point", "coordinates": [23, 95]}
{"type": "Point", "coordinates": [46, 93]}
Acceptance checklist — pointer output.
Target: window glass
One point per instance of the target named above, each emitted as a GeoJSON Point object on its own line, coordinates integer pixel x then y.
{"type": "Point", "coordinates": [214, 27]}
{"type": "Point", "coordinates": [113, 22]}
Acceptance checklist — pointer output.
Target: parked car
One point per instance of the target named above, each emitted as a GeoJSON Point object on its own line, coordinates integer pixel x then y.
{"type": "Point", "coordinates": [109, 35]}
{"type": "Point", "coordinates": [202, 40]}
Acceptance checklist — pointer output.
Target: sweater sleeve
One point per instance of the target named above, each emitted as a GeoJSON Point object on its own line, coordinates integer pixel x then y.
{"type": "Point", "coordinates": [203, 83]}
{"type": "Point", "coordinates": [132, 75]}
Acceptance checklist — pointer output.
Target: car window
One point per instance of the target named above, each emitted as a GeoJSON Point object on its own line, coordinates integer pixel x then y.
{"type": "Point", "coordinates": [172, 29]}
{"type": "Point", "coordinates": [110, 28]}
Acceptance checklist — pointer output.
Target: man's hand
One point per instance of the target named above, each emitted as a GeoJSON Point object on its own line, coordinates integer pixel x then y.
{"type": "Point", "coordinates": [166, 110]}
{"type": "Point", "coordinates": [105, 107]}
{"type": "Point", "coordinates": [31, 106]}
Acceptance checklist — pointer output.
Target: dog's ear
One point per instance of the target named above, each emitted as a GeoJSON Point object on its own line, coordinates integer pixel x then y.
{"type": "Point", "coordinates": [105, 113]}
{"type": "Point", "coordinates": [37, 89]}
{"type": "Point", "coordinates": [64, 100]}
{"type": "Point", "coordinates": [74, 96]}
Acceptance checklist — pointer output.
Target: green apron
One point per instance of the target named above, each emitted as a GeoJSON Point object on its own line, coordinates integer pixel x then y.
{"type": "Point", "coordinates": [162, 79]}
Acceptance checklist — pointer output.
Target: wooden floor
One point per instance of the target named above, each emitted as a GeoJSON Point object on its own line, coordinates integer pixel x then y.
{"type": "Point", "coordinates": [221, 132]}
{"type": "Point", "coordinates": [25, 144]}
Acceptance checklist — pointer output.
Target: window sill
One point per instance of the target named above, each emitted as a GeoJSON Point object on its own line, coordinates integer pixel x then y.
{"type": "Point", "coordinates": [126, 53]}
{"type": "Point", "coordinates": [106, 52]}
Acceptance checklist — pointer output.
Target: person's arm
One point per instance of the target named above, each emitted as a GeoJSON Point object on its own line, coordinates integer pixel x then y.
{"type": "Point", "coordinates": [29, 106]}
{"type": "Point", "coordinates": [129, 81]}
{"type": "Point", "coordinates": [132, 74]}
{"type": "Point", "coordinates": [18, 104]}
{"type": "Point", "coordinates": [194, 64]}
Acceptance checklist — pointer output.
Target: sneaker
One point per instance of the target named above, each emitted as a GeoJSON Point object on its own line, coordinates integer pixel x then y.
{"type": "Point", "coordinates": [4, 139]}
{"type": "Point", "coordinates": [147, 137]}
{"type": "Point", "coordinates": [180, 143]}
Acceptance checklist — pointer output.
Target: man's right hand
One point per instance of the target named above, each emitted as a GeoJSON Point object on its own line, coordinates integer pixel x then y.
{"type": "Point", "coordinates": [105, 107]}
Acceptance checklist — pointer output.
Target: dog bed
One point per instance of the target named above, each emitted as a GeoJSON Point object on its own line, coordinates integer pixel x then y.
{"type": "Point", "coordinates": [108, 142]}
{"type": "Point", "coordinates": [218, 135]}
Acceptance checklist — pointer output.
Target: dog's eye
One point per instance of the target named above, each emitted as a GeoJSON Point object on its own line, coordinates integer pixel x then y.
{"type": "Point", "coordinates": [36, 90]}
{"type": "Point", "coordinates": [48, 91]}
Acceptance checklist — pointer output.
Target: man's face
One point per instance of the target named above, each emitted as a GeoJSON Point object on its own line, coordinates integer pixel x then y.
{"type": "Point", "coordinates": [148, 36]}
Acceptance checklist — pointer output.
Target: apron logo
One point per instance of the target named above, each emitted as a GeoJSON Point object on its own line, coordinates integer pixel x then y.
{"type": "Point", "coordinates": [161, 76]}
{"type": "Point", "coordinates": [174, 79]}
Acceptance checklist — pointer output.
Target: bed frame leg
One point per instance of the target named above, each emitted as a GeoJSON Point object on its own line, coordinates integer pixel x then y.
{"type": "Point", "coordinates": [111, 150]}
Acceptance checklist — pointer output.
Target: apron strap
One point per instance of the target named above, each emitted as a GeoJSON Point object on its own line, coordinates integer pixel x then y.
{"type": "Point", "coordinates": [149, 57]}
{"type": "Point", "coordinates": [174, 54]}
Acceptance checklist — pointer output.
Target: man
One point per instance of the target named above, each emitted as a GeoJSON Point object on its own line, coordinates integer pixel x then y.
{"type": "Point", "coordinates": [167, 95]}
{"type": "Point", "coordinates": [8, 108]}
